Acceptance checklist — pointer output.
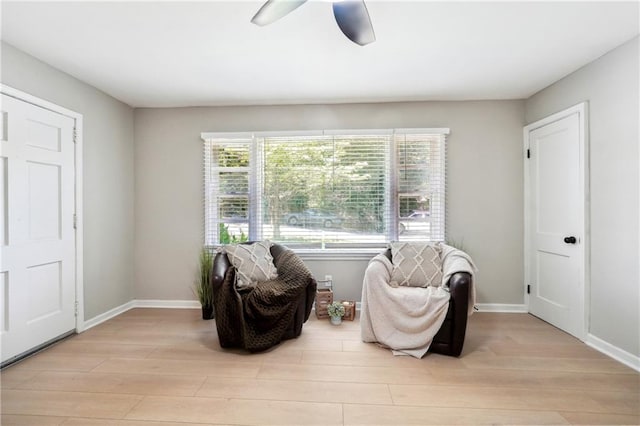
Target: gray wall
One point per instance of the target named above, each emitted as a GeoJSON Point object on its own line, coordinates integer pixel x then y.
{"type": "Point", "coordinates": [108, 175]}
{"type": "Point", "coordinates": [610, 85]}
{"type": "Point", "coordinates": [485, 186]}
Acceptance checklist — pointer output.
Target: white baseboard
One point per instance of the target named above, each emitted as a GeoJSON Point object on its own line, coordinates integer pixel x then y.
{"type": "Point", "coordinates": [614, 352]}
{"type": "Point", "coordinates": [166, 304]}
{"type": "Point", "coordinates": [99, 319]}
{"type": "Point", "coordinates": [485, 307]}
{"type": "Point", "coordinates": [501, 307]}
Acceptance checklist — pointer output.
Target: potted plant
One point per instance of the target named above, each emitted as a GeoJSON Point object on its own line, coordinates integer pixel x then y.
{"type": "Point", "coordinates": [202, 285]}
{"type": "Point", "coordinates": [336, 312]}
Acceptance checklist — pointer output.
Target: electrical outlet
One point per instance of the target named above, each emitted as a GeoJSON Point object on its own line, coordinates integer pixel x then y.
{"type": "Point", "coordinates": [328, 280]}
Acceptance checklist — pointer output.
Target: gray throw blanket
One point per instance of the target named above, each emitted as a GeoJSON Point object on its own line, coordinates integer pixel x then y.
{"type": "Point", "coordinates": [261, 317]}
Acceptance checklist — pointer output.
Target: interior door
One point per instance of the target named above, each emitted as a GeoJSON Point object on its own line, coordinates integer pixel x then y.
{"type": "Point", "coordinates": [37, 275]}
{"type": "Point", "coordinates": [556, 236]}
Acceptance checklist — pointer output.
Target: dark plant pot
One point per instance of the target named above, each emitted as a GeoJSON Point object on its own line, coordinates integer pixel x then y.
{"type": "Point", "coordinates": [207, 312]}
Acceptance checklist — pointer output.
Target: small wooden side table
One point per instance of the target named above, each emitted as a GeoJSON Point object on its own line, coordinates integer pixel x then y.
{"type": "Point", "coordinates": [324, 297]}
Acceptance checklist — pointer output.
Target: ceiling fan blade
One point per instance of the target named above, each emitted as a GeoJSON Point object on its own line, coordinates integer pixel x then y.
{"type": "Point", "coordinates": [273, 10]}
{"type": "Point", "coordinates": [353, 19]}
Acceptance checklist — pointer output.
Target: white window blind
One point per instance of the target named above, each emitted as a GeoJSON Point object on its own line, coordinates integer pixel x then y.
{"type": "Point", "coordinates": [421, 186]}
{"type": "Point", "coordinates": [325, 190]}
{"type": "Point", "coordinates": [227, 174]}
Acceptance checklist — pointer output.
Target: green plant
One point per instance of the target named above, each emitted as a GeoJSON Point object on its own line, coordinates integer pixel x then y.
{"type": "Point", "coordinates": [227, 238]}
{"type": "Point", "coordinates": [202, 286]}
{"type": "Point", "coordinates": [335, 309]}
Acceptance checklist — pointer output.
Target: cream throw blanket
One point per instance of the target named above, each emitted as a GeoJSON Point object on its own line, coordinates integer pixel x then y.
{"type": "Point", "coordinates": [405, 319]}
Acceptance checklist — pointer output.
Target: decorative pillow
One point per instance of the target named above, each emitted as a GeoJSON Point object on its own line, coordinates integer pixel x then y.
{"type": "Point", "coordinates": [416, 265]}
{"type": "Point", "coordinates": [253, 263]}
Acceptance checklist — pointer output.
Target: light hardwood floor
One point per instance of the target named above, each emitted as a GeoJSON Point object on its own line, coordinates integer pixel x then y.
{"type": "Point", "coordinates": [164, 367]}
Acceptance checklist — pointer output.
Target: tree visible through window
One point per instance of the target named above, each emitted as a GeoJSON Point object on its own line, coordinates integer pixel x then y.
{"type": "Point", "coordinates": [338, 190]}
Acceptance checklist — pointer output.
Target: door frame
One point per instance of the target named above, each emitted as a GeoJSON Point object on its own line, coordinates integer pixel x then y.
{"type": "Point", "coordinates": [78, 189]}
{"type": "Point", "coordinates": [582, 109]}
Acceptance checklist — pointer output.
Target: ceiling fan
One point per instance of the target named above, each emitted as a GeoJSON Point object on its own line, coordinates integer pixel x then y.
{"type": "Point", "coordinates": [351, 15]}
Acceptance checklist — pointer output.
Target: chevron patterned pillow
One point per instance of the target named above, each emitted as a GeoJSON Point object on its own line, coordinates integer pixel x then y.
{"type": "Point", "coordinates": [253, 263]}
{"type": "Point", "coordinates": [416, 264]}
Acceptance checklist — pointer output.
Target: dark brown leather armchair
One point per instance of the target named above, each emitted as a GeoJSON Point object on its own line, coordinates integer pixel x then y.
{"type": "Point", "coordinates": [259, 318]}
{"type": "Point", "coordinates": [450, 338]}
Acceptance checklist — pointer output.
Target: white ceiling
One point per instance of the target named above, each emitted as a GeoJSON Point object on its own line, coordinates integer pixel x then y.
{"type": "Point", "coordinates": [158, 54]}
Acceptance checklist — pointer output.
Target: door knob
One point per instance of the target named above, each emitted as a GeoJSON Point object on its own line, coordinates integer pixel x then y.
{"type": "Point", "coordinates": [570, 240]}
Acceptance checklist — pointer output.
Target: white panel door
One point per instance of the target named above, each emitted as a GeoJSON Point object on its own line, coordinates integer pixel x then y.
{"type": "Point", "coordinates": [37, 275]}
{"type": "Point", "coordinates": [556, 224]}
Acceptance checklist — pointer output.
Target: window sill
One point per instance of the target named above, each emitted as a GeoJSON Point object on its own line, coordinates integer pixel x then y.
{"type": "Point", "coordinates": [338, 254]}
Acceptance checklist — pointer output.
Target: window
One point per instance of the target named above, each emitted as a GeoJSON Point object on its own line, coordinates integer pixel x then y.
{"type": "Point", "coordinates": [323, 190]}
